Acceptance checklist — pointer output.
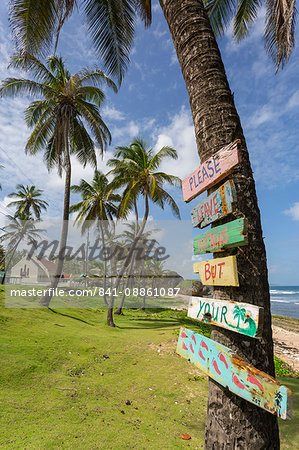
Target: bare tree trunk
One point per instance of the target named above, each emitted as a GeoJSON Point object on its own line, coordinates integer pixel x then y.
{"type": "Point", "coordinates": [119, 310]}
{"type": "Point", "coordinates": [232, 423]}
{"type": "Point", "coordinates": [105, 264]}
{"type": "Point", "coordinates": [45, 301]}
{"type": "Point", "coordinates": [110, 321]}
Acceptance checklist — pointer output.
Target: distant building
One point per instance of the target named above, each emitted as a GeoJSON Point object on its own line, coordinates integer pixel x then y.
{"type": "Point", "coordinates": [34, 271]}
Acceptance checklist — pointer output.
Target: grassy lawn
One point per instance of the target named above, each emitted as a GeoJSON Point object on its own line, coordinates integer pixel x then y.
{"type": "Point", "coordinates": [66, 379]}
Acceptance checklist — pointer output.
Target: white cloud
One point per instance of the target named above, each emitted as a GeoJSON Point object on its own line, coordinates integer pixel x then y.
{"type": "Point", "coordinates": [180, 135]}
{"type": "Point", "coordinates": [293, 211]}
{"type": "Point", "coordinates": [293, 101]}
{"type": "Point", "coordinates": [110, 112]}
{"type": "Point", "coordinates": [263, 115]}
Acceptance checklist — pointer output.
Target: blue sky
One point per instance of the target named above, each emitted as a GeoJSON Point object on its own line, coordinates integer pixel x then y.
{"type": "Point", "coordinates": [153, 103]}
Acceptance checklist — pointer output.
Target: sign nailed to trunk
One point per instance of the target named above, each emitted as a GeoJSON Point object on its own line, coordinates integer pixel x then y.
{"type": "Point", "coordinates": [215, 206]}
{"type": "Point", "coordinates": [222, 365]}
{"type": "Point", "coordinates": [211, 171]}
{"type": "Point", "coordinates": [218, 272]}
{"type": "Point", "coordinates": [239, 317]}
{"type": "Point", "coordinates": [219, 238]}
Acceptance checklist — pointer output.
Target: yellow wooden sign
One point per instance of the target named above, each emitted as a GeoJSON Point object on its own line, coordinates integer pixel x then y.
{"type": "Point", "coordinates": [218, 272]}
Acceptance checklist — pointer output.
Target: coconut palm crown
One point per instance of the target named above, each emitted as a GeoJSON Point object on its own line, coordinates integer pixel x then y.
{"type": "Point", "coordinates": [137, 169]}
{"type": "Point", "coordinates": [99, 201]}
{"type": "Point", "coordinates": [28, 199]}
{"type": "Point", "coordinates": [68, 103]}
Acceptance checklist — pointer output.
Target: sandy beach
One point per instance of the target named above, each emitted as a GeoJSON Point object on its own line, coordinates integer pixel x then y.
{"type": "Point", "coordinates": [286, 346]}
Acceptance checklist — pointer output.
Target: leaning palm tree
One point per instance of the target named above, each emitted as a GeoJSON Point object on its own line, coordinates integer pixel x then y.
{"type": "Point", "coordinates": [98, 204]}
{"type": "Point", "coordinates": [17, 230]}
{"type": "Point", "coordinates": [68, 103]}
{"type": "Point", "coordinates": [28, 199]}
{"type": "Point", "coordinates": [136, 169]}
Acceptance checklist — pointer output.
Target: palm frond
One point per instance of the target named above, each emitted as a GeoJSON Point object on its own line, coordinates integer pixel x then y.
{"type": "Point", "coordinates": [14, 86]}
{"type": "Point", "coordinates": [144, 9]}
{"type": "Point", "coordinates": [96, 77]}
{"type": "Point", "coordinates": [220, 13]}
{"type": "Point", "coordinates": [33, 23]}
{"type": "Point", "coordinates": [111, 26]}
{"type": "Point", "coordinates": [245, 15]}
{"type": "Point", "coordinates": [280, 29]}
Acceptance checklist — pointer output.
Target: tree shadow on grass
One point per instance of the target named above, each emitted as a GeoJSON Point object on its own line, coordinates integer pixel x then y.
{"type": "Point", "coordinates": [70, 317]}
{"type": "Point", "coordinates": [177, 320]}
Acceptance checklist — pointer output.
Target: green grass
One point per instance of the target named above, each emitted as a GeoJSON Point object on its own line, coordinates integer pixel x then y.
{"type": "Point", "coordinates": [65, 379]}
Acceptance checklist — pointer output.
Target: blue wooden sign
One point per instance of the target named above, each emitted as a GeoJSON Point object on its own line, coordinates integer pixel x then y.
{"type": "Point", "coordinates": [241, 378]}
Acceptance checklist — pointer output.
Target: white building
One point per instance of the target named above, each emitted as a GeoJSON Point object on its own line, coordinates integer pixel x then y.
{"type": "Point", "coordinates": [34, 271]}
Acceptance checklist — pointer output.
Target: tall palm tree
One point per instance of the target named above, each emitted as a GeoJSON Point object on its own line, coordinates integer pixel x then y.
{"type": "Point", "coordinates": [17, 230]}
{"type": "Point", "coordinates": [217, 123]}
{"type": "Point", "coordinates": [29, 199]}
{"type": "Point", "coordinates": [98, 204]}
{"type": "Point", "coordinates": [68, 103]}
{"type": "Point", "coordinates": [36, 25]}
{"type": "Point", "coordinates": [136, 169]}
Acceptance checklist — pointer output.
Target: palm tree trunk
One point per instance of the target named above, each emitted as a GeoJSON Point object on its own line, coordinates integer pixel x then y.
{"type": "Point", "coordinates": [45, 301]}
{"type": "Point", "coordinates": [232, 423]}
{"type": "Point", "coordinates": [105, 264]}
{"type": "Point", "coordinates": [119, 309]}
{"type": "Point", "coordinates": [7, 266]}
{"type": "Point", "coordinates": [110, 321]}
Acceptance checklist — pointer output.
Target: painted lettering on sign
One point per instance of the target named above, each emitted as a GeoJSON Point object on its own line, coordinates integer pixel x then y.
{"type": "Point", "coordinates": [215, 206]}
{"type": "Point", "coordinates": [231, 234]}
{"type": "Point", "coordinates": [221, 364]}
{"type": "Point", "coordinates": [218, 272]}
{"type": "Point", "coordinates": [211, 171]}
{"type": "Point", "coordinates": [235, 316]}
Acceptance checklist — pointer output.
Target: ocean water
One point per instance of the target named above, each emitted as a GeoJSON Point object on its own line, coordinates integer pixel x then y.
{"type": "Point", "coordinates": [285, 301]}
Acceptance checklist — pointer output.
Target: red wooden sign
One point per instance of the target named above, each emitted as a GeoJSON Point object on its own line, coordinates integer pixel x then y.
{"type": "Point", "coordinates": [211, 171]}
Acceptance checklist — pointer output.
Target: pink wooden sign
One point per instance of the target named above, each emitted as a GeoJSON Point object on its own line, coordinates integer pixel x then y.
{"type": "Point", "coordinates": [211, 171]}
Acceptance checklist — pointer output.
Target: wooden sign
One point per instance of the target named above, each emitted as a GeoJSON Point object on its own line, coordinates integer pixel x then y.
{"type": "Point", "coordinates": [211, 171]}
{"type": "Point", "coordinates": [239, 317]}
{"type": "Point", "coordinates": [231, 234]}
{"type": "Point", "coordinates": [222, 365]}
{"type": "Point", "coordinates": [215, 206]}
{"type": "Point", "coordinates": [218, 272]}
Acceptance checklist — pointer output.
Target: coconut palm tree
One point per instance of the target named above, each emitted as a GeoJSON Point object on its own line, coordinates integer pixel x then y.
{"type": "Point", "coordinates": [68, 104]}
{"type": "Point", "coordinates": [98, 204]}
{"type": "Point", "coordinates": [217, 123]}
{"type": "Point", "coordinates": [36, 25]}
{"type": "Point", "coordinates": [29, 199]}
{"type": "Point", "coordinates": [136, 169]}
{"type": "Point", "coordinates": [239, 313]}
{"type": "Point", "coordinates": [17, 230]}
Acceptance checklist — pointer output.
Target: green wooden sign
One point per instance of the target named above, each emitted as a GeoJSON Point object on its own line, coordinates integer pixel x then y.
{"type": "Point", "coordinates": [216, 239]}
